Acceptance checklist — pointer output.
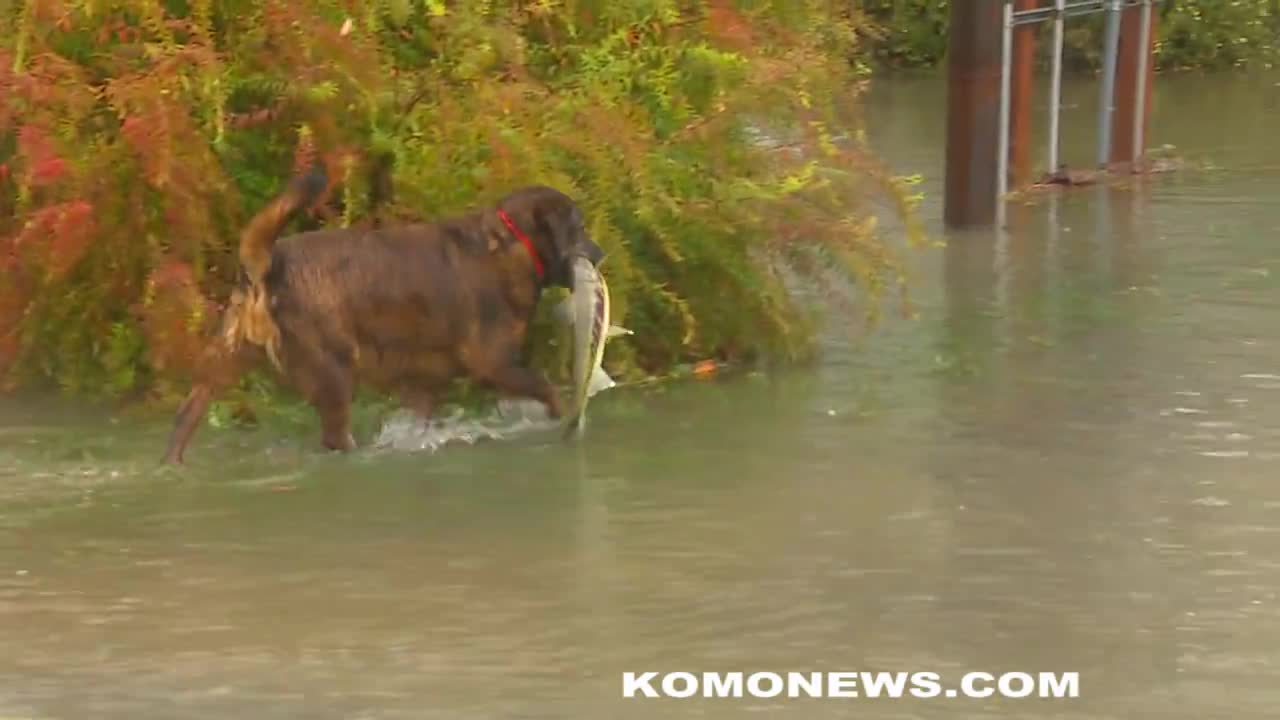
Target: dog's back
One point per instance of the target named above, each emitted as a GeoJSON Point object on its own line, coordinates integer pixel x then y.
{"type": "Point", "coordinates": [414, 304]}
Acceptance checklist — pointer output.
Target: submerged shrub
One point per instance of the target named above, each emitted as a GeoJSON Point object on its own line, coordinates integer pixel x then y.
{"type": "Point", "coordinates": [712, 145]}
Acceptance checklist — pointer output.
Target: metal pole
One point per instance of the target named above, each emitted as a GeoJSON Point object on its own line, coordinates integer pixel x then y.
{"type": "Point", "coordinates": [1006, 59]}
{"type": "Point", "coordinates": [1144, 56]}
{"type": "Point", "coordinates": [1107, 104]}
{"type": "Point", "coordinates": [1055, 92]}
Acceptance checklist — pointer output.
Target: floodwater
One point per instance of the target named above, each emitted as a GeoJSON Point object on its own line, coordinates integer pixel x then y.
{"type": "Point", "coordinates": [1067, 463]}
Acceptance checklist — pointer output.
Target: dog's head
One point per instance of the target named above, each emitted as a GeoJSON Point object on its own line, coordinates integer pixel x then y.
{"type": "Point", "coordinates": [554, 225]}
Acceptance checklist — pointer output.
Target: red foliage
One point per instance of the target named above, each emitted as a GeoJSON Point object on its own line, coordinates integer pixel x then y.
{"type": "Point", "coordinates": [117, 222]}
{"type": "Point", "coordinates": [150, 196]}
{"type": "Point", "coordinates": [304, 154]}
{"type": "Point", "coordinates": [173, 339]}
{"type": "Point", "coordinates": [44, 165]}
{"type": "Point", "coordinates": [147, 133]}
{"type": "Point", "coordinates": [51, 11]}
{"type": "Point", "coordinates": [728, 25]}
{"type": "Point", "coordinates": [73, 232]}
{"type": "Point", "coordinates": [56, 237]}
{"type": "Point", "coordinates": [173, 274]}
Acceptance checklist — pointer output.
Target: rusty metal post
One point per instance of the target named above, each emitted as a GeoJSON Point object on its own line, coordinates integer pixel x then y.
{"type": "Point", "coordinates": [973, 107]}
{"type": "Point", "coordinates": [1024, 51]}
{"type": "Point", "coordinates": [1134, 77]}
{"type": "Point", "coordinates": [1006, 81]}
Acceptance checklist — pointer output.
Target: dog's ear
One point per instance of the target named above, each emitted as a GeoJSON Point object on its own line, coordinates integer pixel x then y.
{"type": "Point", "coordinates": [549, 219]}
{"type": "Point", "coordinates": [564, 230]}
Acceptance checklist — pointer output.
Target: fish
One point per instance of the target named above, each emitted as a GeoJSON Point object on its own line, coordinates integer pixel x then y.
{"type": "Point", "coordinates": [587, 311]}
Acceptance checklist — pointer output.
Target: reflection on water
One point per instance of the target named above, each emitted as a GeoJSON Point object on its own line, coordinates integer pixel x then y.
{"type": "Point", "coordinates": [1066, 464]}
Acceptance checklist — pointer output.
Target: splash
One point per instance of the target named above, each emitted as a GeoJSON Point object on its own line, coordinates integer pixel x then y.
{"type": "Point", "coordinates": [405, 431]}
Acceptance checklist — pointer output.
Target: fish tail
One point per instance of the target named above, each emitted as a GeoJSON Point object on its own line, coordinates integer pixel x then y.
{"type": "Point", "coordinates": [575, 427]}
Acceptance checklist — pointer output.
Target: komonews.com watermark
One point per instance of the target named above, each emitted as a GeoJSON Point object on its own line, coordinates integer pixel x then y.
{"type": "Point", "coordinates": [848, 685]}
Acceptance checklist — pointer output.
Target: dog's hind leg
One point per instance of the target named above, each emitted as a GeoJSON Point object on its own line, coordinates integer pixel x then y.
{"type": "Point", "coordinates": [218, 369]}
{"type": "Point", "coordinates": [327, 381]}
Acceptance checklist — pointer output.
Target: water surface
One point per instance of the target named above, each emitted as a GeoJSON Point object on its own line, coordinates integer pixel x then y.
{"type": "Point", "coordinates": [1066, 463]}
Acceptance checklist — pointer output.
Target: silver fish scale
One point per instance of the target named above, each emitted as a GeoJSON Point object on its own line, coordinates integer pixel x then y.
{"type": "Point", "coordinates": [597, 326]}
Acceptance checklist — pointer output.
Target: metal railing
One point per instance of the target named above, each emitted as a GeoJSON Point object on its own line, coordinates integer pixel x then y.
{"type": "Point", "coordinates": [1057, 13]}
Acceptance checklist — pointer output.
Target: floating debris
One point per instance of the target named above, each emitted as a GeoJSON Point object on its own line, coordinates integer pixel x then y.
{"type": "Point", "coordinates": [1225, 453]}
{"type": "Point", "coordinates": [1210, 502]}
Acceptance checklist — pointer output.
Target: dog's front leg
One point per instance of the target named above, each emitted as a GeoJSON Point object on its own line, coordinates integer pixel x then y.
{"type": "Point", "coordinates": [421, 402]}
{"type": "Point", "coordinates": [526, 382]}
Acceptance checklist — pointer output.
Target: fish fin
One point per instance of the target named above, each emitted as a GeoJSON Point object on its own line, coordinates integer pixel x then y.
{"type": "Point", "coordinates": [615, 331]}
{"type": "Point", "coordinates": [563, 311]}
{"type": "Point", "coordinates": [600, 380]}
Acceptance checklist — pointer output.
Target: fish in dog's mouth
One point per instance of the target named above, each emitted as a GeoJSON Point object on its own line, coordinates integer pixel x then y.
{"type": "Point", "coordinates": [587, 311]}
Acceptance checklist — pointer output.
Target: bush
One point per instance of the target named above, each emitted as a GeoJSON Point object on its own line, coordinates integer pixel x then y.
{"type": "Point", "coordinates": [137, 135]}
{"type": "Point", "coordinates": [1206, 34]}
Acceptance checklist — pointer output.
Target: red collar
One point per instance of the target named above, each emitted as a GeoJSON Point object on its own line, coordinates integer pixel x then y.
{"type": "Point", "coordinates": [524, 240]}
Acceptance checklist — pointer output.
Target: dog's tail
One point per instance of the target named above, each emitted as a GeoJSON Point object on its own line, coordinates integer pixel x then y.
{"type": "Point", "coordinates": [259, 235]}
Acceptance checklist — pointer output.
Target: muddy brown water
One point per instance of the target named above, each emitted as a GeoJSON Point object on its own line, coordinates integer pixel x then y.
{"type": "Point", "coordinates": [1069, 462]}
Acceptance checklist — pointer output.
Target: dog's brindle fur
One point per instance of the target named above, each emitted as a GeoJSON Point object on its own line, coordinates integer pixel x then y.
{"type": "Point", "coordinates": [406, 309]}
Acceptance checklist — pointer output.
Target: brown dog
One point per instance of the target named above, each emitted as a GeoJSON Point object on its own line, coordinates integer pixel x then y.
{"type": "Point", "coordinates": [406, 309]}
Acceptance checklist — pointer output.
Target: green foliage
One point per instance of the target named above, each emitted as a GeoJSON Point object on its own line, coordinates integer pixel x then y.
{"type": "Point", "coordinates": [137, 135]}
{"type": "Point", "coordinates": [1221, 33]}
{"type": "Point", "coordinates": [1206, 34]}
